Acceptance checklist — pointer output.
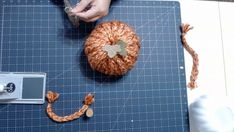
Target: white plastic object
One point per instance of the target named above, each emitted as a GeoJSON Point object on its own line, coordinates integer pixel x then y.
{"type": "Point", "coordinates": [22, 87]}
{"type": "Point", "coordinates": [2, 88]}
{"type": "Point", "coordinates": [212, 114]}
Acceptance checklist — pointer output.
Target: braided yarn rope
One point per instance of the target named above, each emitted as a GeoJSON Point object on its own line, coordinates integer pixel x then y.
{"type": "Point", "coordinates": [194, 73]}
{"type": "Point", "coordinates": [53, 96]}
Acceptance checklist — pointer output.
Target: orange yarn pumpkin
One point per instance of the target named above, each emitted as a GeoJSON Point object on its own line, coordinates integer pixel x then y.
{"type": "Point", "coordinates": [110, 33]}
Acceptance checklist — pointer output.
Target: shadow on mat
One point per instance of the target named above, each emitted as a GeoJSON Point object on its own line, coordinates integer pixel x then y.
{"type": "Point", "coordinates": [87, 71]}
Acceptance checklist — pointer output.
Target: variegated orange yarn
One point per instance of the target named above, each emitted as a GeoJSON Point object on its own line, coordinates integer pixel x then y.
{"type": "Point", "coordinates": [52, 97]}
{"type": "Point", "coordinates": [194, 73]}
{"type": "Point", "coordinates": [108, 33]}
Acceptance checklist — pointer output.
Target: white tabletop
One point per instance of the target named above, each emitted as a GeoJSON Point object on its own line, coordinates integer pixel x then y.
{"type": "Point", "coordinates": [213, 39]}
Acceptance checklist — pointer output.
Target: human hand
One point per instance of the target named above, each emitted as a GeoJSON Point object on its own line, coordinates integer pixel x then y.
{"type": "Point", "coordinates": [91, 10]}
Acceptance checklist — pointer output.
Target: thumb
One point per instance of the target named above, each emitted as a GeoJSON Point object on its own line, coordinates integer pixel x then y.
{"type": "Point", "coordinates": [81, 6]}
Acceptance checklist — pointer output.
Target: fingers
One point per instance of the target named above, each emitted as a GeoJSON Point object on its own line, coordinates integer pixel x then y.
{"type": "Point", "coordinates": [98, 9]}
{"type": "Point", "coordinates": [89, 16]}
{"type": "Point", "coordinates": [93, 19]}
{"type": "Point", "coordinates": [81, 6]}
